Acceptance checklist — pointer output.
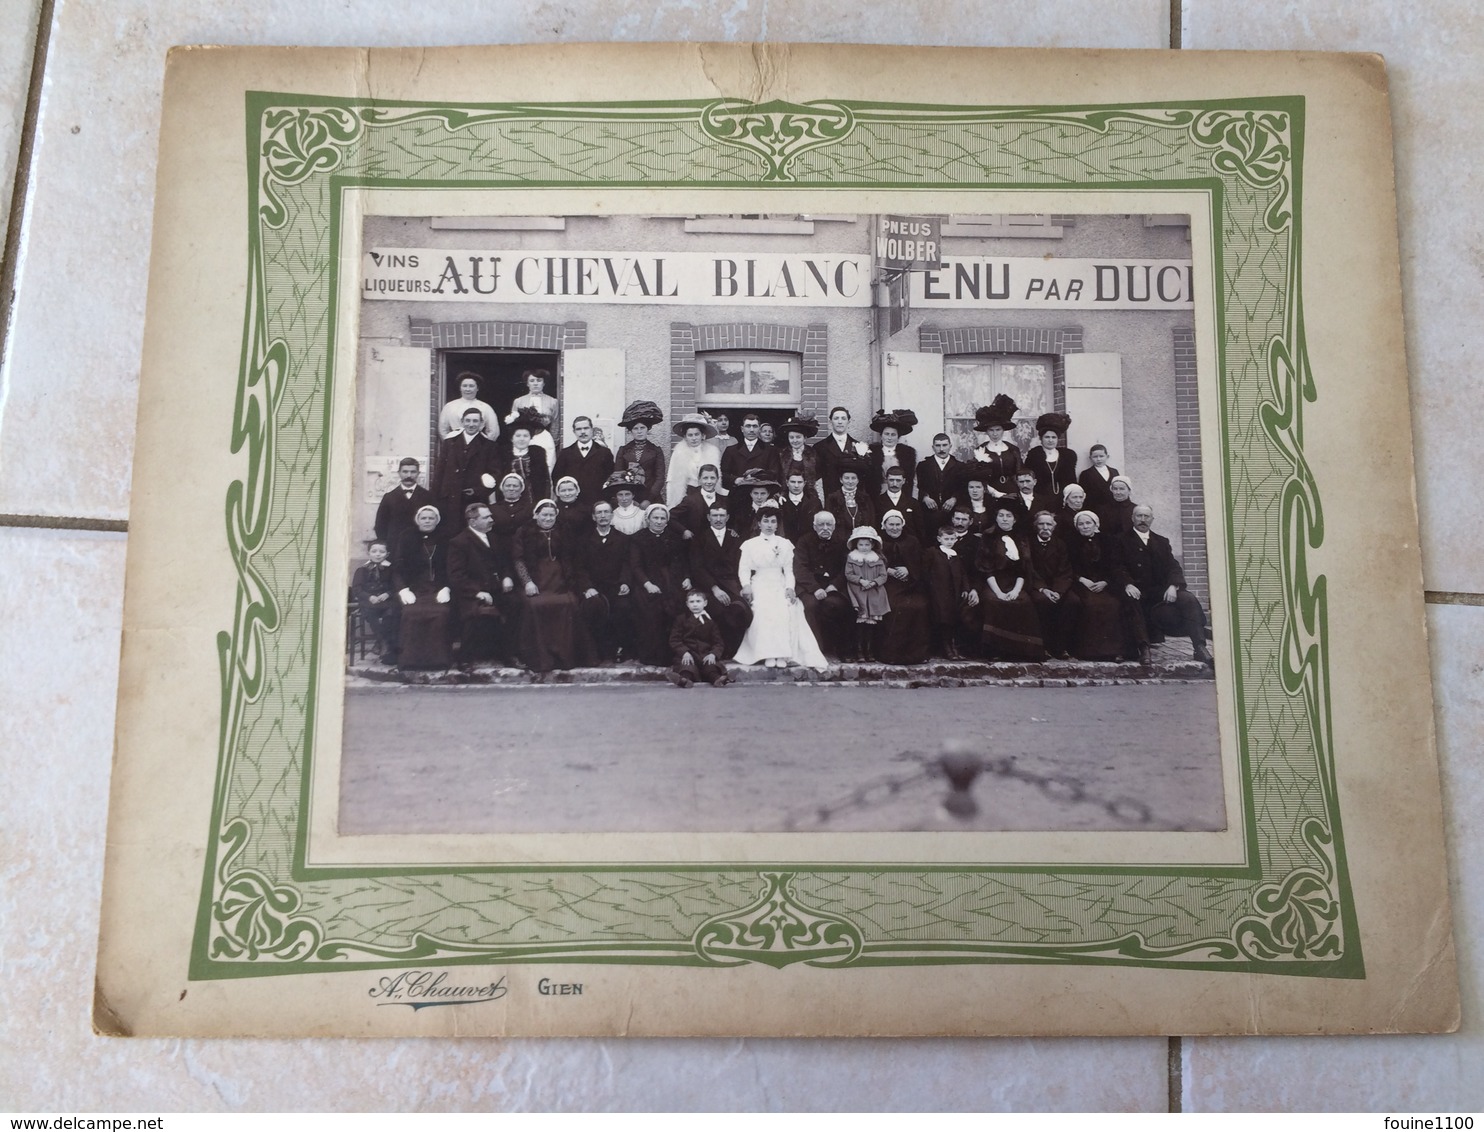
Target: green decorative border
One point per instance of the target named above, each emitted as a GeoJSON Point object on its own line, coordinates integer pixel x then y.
{"type": "Point", "coordinates": [1287, 910]}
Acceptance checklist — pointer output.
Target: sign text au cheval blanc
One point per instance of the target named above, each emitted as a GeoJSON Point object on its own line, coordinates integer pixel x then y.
{"type": "Point", "coordinates": [767, 279]}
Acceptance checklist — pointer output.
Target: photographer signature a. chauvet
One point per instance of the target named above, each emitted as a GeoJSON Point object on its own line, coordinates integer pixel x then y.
{"type": "Point", "coordinates": [419, 989]}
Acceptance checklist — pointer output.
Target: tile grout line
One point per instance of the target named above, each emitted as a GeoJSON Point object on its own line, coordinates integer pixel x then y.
{"type": "Point", "coordinates": [1451, 597]}
{"type": "Point", "coordinates": [1174, 1071]}
{"type": "Point", "coordinates": [64, 523]}
{"type": "Point", "coordinates": [25, 154]}
{"type": "Point", "coordinates": [1174, 1077]}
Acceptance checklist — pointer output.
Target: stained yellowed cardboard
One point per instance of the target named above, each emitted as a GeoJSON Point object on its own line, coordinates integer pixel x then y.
{"type": "Point", "coordinates": [181, 582]}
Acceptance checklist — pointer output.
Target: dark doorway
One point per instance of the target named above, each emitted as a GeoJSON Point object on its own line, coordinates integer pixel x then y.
{"type": "Point", "coordinates": [499, 376]}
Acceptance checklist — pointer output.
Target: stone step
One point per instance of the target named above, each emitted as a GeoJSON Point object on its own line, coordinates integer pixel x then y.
{"type": "Point", "coordinates": [934, 674]}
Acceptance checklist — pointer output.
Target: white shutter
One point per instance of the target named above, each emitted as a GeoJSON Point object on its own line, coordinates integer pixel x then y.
{"type": "Point", "coordinates": [915, 381]}
{"type": "Point", "coordinates": [593, 386]}
{"type": "Point", "coordinates": [1095, 404]}
{"type": "Point", "coordinates": [392, 422]}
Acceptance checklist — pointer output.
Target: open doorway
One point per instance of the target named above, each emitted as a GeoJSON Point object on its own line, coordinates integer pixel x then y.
{"type": "Point", "coordinates": [499, 373]}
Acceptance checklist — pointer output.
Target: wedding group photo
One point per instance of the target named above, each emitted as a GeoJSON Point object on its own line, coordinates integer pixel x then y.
{"type": "Point", "coordinates": [621, 455]}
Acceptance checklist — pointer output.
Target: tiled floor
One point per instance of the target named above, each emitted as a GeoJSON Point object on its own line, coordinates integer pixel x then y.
{"type": "Point", "coordinates": [72, 350]}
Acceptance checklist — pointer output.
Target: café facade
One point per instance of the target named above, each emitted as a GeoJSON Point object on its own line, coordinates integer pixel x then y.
{"type": "Point", "coordinates": [1091, 314]}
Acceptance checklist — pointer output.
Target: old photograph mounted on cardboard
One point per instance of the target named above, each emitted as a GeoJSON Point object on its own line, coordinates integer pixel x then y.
{"type": "Point", "coordinates": [769, 548]}
{"type": "Point", "coordinates": [834, 349]}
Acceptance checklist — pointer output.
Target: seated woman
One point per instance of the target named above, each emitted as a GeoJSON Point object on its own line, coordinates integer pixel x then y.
{"type": "Point", "coordinates": [1073, 503]}
{"type": "Point", "coordinates": [779, 634]}
{"type": "Point", "coordinates": [539, 409]}
{"type": "Point", "coordinates": [510, 508]}
{"type": "Point", "coordinates": [573, 514]}
{"type": "Point", "coordinates": [420, 571]}
{"type": "Point", "coordinates": [696, 447]}
{"type": "Point", "coordinates": [552, 635]}
{"type": "Point", "coordinates": [906, 633]}
{"type": "Point", "coordinates": [1118, 513]}
{"type": "Point", "coordinates": [659, 565]}
{"type": "Point", "coordinates": [1112, 623]}
{"type": "Point", "coordinates": [1011, 628]}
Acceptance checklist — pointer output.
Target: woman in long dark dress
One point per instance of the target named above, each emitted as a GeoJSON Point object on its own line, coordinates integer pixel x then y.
{"type": "Point", "coordinates": [906, 633]}
{"type": "Point", "coordinates": [996, 460]}
{"type": "Point", "coordinates": [1112, 624]}
{"type": "Point", "coordinates": [1011, 628]}
{"type": "Point", "coordinates": [1055, 467]}
{"type": "Point", "coordinates": [552, 635]}
{"type": "Point", "coordinates": [794, 456]}
{"type": "Point", "coordinates": [522, 456]}
{"type": "Point", "coordinates": [659, 564]}
{"type": "Point", "coordinates": [421, 575]}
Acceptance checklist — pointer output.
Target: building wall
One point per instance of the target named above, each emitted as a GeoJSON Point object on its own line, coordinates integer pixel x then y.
{"type": "Point", "coordinates": [659, 341]}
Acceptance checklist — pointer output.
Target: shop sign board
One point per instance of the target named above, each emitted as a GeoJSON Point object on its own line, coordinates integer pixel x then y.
{"type": "Point", "coordinates": [909, 243]}
{"type": "Point", "coordinates": [767, 278]}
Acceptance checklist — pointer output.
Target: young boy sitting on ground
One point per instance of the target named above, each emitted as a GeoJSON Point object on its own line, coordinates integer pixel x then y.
{"type": "Point", "coordinates": [695, 640]}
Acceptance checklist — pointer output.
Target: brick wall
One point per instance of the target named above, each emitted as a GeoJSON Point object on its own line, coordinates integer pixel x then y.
{"type": "Point", "coordinates": [497, 335]}
{"type": "Point", "coordinates": [811, 342]}
{"type": "Point", "coordinates": [1192, 494]}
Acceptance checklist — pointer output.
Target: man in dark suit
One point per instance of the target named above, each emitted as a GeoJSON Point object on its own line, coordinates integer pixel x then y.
{"type": "Point", "coordinates": [938, 484]}
{"type": "Point", "coordinates": [397, 507]}
{"type": "Point", "coordinates": [474, 576]}
{"type": "Point", "coordinates": [463, 460]}
{"type": "Point", "coordinates": [898, 497]}
{"type": "Point", "coordinates": [715, 554]}
{"type": "Point", "coordinates": [690, 513]}
{"type": "Point", "coordinates": [585, 460]}
{"type": "Point", "coordinates": [600, 575]}
{"type": "Point", "coordinates": [1054, 592]}
{"type": "Point", "coordinates": [748, 453]}
{"type": "Point", "coordinates": [819, 579]}
{"type": "Point", "coordinates": [1027, 501]}
{"type": "Point", "coordinates": [1157, 583]}
{"type": "Point", "coordinates": [796, 508]}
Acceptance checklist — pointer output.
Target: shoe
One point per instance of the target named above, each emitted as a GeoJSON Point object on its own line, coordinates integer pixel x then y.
{"type": "Point", "coordinates": [1144, 656]}
{"type": "Point", "coordinates": [720, 682]}
{"type": "Point", "coordinates": [678, 680]}
{"type": "Point", "coordinates": [1202, 656]}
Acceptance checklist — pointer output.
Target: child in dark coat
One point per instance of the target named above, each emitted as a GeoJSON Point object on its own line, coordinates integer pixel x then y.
{"type": "Point", "coordinates": [951, 592]}
{"type": "Point", "coordinates": [374, 592]}
{"type": "Point", "coordinates": [695, 639]}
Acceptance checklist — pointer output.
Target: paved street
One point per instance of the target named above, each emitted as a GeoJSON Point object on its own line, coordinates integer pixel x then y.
{"type": "Point", "coordinates": [766, 758]}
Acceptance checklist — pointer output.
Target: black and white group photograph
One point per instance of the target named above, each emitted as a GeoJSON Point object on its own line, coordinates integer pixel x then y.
{"type": "Point", "coordinates": [779, 522]}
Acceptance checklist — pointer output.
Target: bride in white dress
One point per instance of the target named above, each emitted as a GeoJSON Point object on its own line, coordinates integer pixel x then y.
{"type": "Point", "coordinates": [778, 633]}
